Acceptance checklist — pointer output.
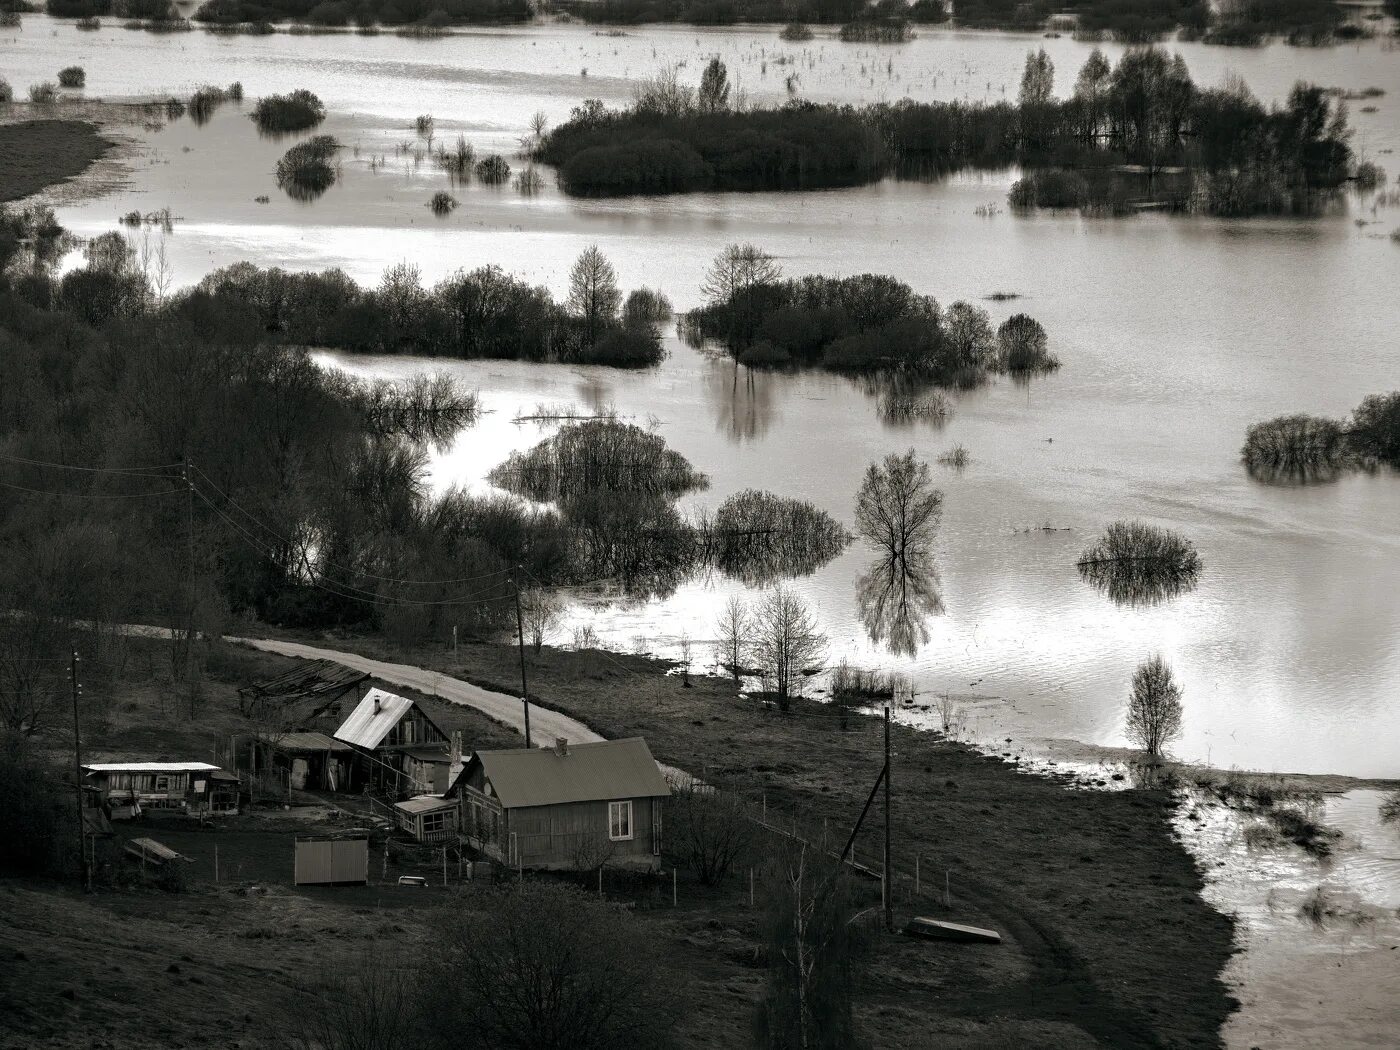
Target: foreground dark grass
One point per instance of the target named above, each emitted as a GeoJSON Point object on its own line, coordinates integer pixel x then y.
{"type": "Point", "coordinates": [42, 153]}
{"type": "Point", "coordinates": [1108, 941]}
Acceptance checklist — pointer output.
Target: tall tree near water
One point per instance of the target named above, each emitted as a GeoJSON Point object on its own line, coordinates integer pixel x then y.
{"type": "Point", "coordinates": [897, 508]}
{"type": "Point", "coordinates": [1154, 707]}
{"type": "Point", "coordinates": [593, 292]}
{"type": "Point", "coordinates": [714, 88]}
{"type": "Point", "coordinates": [786, 641]}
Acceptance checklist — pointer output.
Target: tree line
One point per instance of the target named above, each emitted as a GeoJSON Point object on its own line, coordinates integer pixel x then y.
{"type": "Point", "coordinates": [1240, 156]}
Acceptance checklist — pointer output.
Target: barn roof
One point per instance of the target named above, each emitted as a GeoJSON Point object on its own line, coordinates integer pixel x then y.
{"type": "Point", "coordinates": [309, 742]}
{"type": "Point", "coordinates": [150, 767]}
{"type": "Point", "coordinates": [605, 769]}
{"type": "Point", "coordinates": [370, 723]}
{"type": "Point", "coordinates": [316, 678]}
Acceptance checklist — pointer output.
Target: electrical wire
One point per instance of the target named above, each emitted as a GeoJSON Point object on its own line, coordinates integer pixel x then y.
{"type": "Point", "coordinates": [135, 471]}
{"type": "Point", "coordinates": [86, 495]}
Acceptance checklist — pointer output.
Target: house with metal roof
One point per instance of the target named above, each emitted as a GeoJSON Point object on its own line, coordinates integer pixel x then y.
{"type": "Point", "coordinates": [401, 749]}
{"type": "Point", "coordinates": [570, 807]}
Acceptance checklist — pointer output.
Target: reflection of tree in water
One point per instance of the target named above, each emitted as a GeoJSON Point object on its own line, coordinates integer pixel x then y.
{"type": "Point", "coordinates": [1136, 564]}
{"type": "Point", "coordinates": [898, 511]}
{"type": "Point", "coordinates": [742, 398]}
{"type": "Point", "coordinates": [896, 597]}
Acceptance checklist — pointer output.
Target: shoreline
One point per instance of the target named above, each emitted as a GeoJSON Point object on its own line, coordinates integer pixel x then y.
{"type": "Point", "coordinates": [105, 171]}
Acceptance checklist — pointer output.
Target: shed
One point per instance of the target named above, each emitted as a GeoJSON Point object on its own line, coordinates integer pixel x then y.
{"type": "Point", "coordinates": [428, 818]}
{"type": "Point", "coordinates": [391, 734]}
{"type": "Point", "coordinates": [312, 760]}
{"type": "Point", "coordinates": [331, 860]}
{"type": "Point", "coordinates": [569, 807]}
{"type": "Point", "coordinates": [193, 787]}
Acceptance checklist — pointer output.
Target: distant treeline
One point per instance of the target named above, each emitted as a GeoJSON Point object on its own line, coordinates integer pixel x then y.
{"type": "Point", "coordinates": [338, 13]}
{"type": "Point", "coordinates": [471, 314]}
{"type": "Point", "coordinates": [1239, 156]}
{"type": "Point", "coordinates": [861, 324]}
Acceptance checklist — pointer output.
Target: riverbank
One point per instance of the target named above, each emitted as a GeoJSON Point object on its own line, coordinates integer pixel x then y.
{"type": "Point", "coordinates": [46, 152]}
{"type": "Point", "coordinates": [1066, 876]}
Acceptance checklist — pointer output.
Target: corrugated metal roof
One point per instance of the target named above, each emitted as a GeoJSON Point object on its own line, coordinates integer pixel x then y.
{"type": "Point", "coordinates": [370, 723]}
{"type": "Point", "coordinates": [424, 804]}
{"type": "Point", "coordinates": [607, 769]}
{"type": "Point", "coordinates": [310, 742]}
{"type": "Point", "coordinates": [150, 767]}
{"type": "Point", "coordinates": [153, 850]}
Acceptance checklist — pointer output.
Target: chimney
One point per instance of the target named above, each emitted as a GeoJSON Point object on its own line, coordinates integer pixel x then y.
{"type": "Point", "coordinates": [376, 702]}
{"type": "Point", "coordinates": [454, 767]}
{"type": "Point", "coordinates": [561, 746]}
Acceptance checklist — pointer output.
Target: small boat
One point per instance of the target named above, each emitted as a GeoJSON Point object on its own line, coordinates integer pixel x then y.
{"type": "Point", "coordinates": [937, 930]}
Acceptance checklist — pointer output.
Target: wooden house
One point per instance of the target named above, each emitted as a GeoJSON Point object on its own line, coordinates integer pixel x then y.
{"type": "Point", "coordinates": [399, 746]}
{"type": "Point", "coordinates": [126, 788]}
{"type": "Point", "coordinates": [569, 807]}
{"type": "Point", "coordinates": [428, 818]}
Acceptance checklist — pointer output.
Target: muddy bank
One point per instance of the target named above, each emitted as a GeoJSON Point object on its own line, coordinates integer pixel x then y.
{"type": "Point", "coordinates": [43, 153]}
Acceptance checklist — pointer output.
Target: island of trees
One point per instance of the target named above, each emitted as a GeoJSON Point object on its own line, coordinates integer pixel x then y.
{"type": "Point", "coordinates": [1301, 448]}
{"type": "Point", "coordinates": [1140, 129]}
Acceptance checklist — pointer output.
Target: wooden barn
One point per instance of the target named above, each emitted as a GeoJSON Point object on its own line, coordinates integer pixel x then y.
{"type": "Point", "coordinates": [569, 807]}
{"type": "Point", "coordinates": [401, 750]}
{"type": "Point", "coordinates": [125, 788]}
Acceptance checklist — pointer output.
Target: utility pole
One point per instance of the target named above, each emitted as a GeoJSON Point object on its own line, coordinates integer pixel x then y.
{"type": "Point", "coordinates": [887, 889]}
{"type": "Point", "coordinates": [78, 770]}
{"type": "Point", "coordinates": [189, 632]}
{"type": "Point", "coordinates": [520, 637]}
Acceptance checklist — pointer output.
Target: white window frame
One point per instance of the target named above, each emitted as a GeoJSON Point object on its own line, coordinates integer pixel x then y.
{"type": "Point", "coordinates": [620, 814]}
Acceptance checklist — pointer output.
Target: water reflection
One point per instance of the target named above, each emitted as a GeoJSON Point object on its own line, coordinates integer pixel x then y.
{"type": "Point", "coordinates": [742, 399]}
{"type": "Point", "coordinates": [1139, 584]}
{"type": "Point", "coordinates": [896, 596]}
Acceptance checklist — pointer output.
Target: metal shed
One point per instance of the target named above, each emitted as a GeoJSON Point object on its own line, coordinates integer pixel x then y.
{"type": "Point", "coordinates": [331, 861]}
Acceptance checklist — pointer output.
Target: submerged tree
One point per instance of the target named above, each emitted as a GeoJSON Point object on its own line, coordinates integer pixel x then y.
{"type": "Point", "coordinates": [787, 642]}
{"type": "Point", "coordinates": [1154, 706]}
{"type": "Point", "coordinates": [897, 507]}
{"type": "Point", "coordinates": [1139, 564]}
{"type": "Point", "coordinates": [1295, 448]}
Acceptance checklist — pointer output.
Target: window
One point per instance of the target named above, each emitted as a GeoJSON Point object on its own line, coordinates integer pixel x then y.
{"type": "Point", "coordinates": [619, 821]}
{"type": "Point", "coordinates": [435, 821]}
{"type": "Point", "coordinates": [162, 783]}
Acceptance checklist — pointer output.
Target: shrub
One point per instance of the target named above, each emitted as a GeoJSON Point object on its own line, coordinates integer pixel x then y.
{"type": "Point", "coordinates": [1296, 445]}
{"type": "Point", "coordinates": [625, 348]}
{"type": "Point", "coordinates": [646, 309]}
{"type": "Point", "coordinates": [7, 93]}
{"type": "Point", "coordinates": [1375, 428]}
{"type": "Point", "coordinates": [649, 166]}
{"type": "Point", "coordinates": [493, 170]}
{"type": "Point", "coordinates": [305, 170]}
{"type": "Point", "coordinates": [91, 22]}
{"type": "Point", "coordinates": [1022, 346]}
{"type": "Point", "coordinates": [796, 33]}
{"type": "Point", "coordinates": [876, 31]}
{"type": "Point", "coordinates": [293, 112]}
{"type": "Point", "coordinates": [442, 203]}
{"type": "Point", "coordinates": [43, 94]}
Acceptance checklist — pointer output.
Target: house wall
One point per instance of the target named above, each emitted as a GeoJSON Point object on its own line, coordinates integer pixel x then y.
{"type": "Point", "coordinates": [574, 835]}
{"type": "Point", "coordinates": [413, 728]}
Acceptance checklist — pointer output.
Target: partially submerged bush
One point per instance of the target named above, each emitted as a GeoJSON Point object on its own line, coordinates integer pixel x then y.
{"type": "Point", "coordinates": [1139, 564]}
{"type": "Point", "coordinates": [1298, 447]}
{"type": "Point", "coordinates": [758, 537]}
{"type": "Point", "coordinates": [443, 203]}
{"type": "Point", "coordinates": [72, 77]}
{"type": "Point", "coordinates": [493, 170]}
{"type": "Point", "coordinates": [795, 33]}
{"type": "Point", "coordinates": [7, 93]}
{"type": "Point", "coordinates": [296, 111]}
{"type": "Point", "coordinates": [43, 94]}
{"type": "Point", "coordinates": [305, 170]}
{"type": "Point", "coordinates": [906, 407]}
{"type": "Point", "coordinates": [876, 31]}
{"type": "Point", "coordinates": [1022, 346]}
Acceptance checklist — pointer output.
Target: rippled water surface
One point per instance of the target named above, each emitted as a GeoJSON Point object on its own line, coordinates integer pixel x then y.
{"type": "Point", "coordinates": [1175, 333]}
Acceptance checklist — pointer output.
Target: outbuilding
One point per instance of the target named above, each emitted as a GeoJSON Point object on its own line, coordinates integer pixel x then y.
{"type": "Point", "coordinates": [400, 748]}
{"type": "Point", "coordinates": [571, 807]}
{"type": "Point", "coordinates": [125, 788]}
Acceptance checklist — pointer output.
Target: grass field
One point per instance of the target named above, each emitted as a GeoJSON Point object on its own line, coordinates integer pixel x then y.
{"type": "Point", "coordinates": [40, 153]}
{"type": "Point", "coordinates": [1107, 941]}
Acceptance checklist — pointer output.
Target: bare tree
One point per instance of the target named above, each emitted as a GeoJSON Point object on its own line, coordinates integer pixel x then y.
{"type": "Point", "coordinates": [786, 641]}
{"type": "Point", "coordinates": [593, 292]}
{"type": "Point", "coordinates": [711, 830]}
{"type": "Point", "coordinates": [737, 269]}
{"type": "Point", "coordinates": [541, 613]}
{"type": "Point", "coordinates": [538, 123]}
{"type": "Point", "coordinates": [664, 94]}
{"type": "Point", "coordinates": [897, 507]}
{"type": "Point", "coordinates": [686, 647]}
{"type": "Point", "coordinates": [734, 629]}
{"type": "Point", "coordinates": [807, 1003]}
{"type": "Point", "coordinates": [714, 88]}
{"type": "Point", "coordinates": [1154, 708]}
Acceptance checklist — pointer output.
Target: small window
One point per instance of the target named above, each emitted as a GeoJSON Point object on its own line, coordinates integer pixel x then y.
{"type": "Point", "coordinates": [619, 821]}
{"type": "Point", "coordinates": [162, 783]}
{"type": "Point", "coordinates": [435, 821]}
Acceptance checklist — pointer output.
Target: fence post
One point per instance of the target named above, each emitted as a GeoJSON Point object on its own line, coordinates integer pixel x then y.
{"type": "Point", "coordinates": [947, 889]}
{"type": "Point", "coordinates": [600, 880]}
{"type": "Point", "coordinates": [916, 875]}
{"type": "Point", "coordinates": [673, 887]}
{"type": "Point", "coordinates": [216, 863]}
{"type": "Point", "coordinates": [751, 887]}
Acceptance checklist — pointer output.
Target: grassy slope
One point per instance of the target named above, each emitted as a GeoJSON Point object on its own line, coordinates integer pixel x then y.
{"type": "Point", "coordinates": [1108, 942]}
{"type": "Point", "coordinates": [40, 153]}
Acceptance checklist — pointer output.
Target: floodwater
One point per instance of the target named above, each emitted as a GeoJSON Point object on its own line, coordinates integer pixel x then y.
{"type": "Point", "coordinates": [1175, 334]}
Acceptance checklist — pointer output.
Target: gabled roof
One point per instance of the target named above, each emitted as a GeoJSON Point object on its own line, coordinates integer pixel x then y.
{"type": "Point", "coordinates": [309, 741]}
{"type": "Point", "coordinates": [606, 769]}
{"type": "Point", "coordinates": [370, 723]}
{"type": "Point", "coordinates": [149, 767]}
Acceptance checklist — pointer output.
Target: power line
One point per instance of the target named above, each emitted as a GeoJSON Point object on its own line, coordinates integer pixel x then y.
{"type": "Point", "coordinates": [86, 495]}
{"type": "Point", "coordinates": [138, 471]}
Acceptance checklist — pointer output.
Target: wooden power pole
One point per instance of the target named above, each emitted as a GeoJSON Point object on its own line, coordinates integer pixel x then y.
{"type": "Point", "coordinates": [78, 770]}
{"type": "Point", "coordinates": [520, 637]}
{"type": "Point", "coordinates": [887, 890]}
